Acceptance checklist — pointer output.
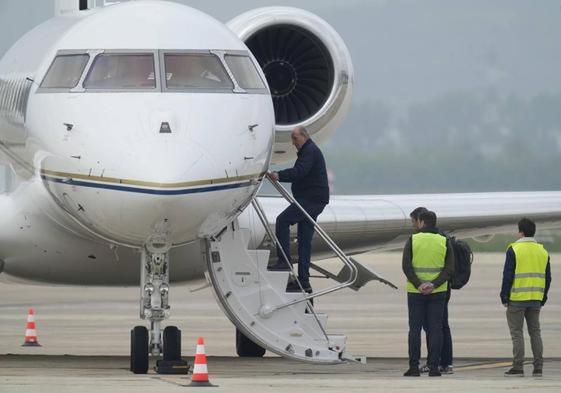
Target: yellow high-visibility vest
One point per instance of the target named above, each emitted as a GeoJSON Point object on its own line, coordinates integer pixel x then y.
{"type": "Point", "coordinates": [529, 275]}
{"type": "Point", "coordinates": [429, 255]}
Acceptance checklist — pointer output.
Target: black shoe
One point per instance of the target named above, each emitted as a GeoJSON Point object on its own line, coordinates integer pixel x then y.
{"type": "Point", "coordinates": [279, 267]}
{"type": "Point", "coordinates": [537, 372]}
{"type": "Point", "coordinates": [514, 373]}
{"type": "Point", "coordinates": [294, 287]}
{"type": "Point", "coordinates": [433, 372]}
{"type": "Point", "coordinates": [412, 372]}
{"type": "Point", "coordinates": [446, 369]}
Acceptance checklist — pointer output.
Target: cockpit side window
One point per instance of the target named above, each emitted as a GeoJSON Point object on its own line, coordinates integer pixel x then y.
{"type": "Point", "coordinates": [185, 71]}
{"type": "Point", "coordinates": [122, 71]}
{"type": "Point", "coordinates": [245, 72]}
{"type": "Point", "coordinates": [65, 71]}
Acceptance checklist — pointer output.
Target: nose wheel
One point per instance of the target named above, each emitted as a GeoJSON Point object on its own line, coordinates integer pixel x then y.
{"type": "Point", "coordinates": [140, 346]}
{"type": "Point", "coordinates": [139, 350]}
{"type": "Point", "coordinates": [172, 343]}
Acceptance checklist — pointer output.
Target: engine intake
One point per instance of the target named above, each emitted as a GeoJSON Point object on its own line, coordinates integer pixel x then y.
{"type": "Point", "coordinates": [308, 69]}
{"type": "Point", "coordinates": [298, 68]}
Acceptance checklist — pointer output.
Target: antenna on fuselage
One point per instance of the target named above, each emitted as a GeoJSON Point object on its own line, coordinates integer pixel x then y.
{"type": "Point", "coordinates": [67, 6]}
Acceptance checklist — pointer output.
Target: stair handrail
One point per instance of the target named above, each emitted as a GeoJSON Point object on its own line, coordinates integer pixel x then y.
{"type": "Point", "coordinates": [263, 218]}
{"type": "Point", "coordinates": [353, 271]}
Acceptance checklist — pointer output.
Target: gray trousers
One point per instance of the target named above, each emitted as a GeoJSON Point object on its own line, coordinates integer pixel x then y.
{"type": "Point", "coordinates": [515, 317]}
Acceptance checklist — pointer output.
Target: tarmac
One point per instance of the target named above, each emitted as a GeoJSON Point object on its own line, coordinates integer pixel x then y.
{"type": "Point", "coordinates": [84, 333]}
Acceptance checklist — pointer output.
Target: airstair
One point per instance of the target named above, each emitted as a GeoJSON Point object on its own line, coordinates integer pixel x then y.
{"type": "Point", "coordinates": [257, 302]}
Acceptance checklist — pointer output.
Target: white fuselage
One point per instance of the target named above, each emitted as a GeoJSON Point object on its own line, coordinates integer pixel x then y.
{"type": "Point", "coordinates": [126, 164]}
{"type": "Point", "coordinates": [98, 171]}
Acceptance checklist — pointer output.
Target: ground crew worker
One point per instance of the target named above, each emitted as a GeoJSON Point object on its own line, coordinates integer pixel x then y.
{"type": "Point", "coordinates": [526, 281]}
{"type": "Point", "coordinates": [428, 263]}
{"type": "Point", "coordinates": [446, 359]}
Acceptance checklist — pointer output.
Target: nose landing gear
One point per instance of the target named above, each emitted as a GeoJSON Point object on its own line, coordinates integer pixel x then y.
{"type": "Point", "coordinates": [154, 296]}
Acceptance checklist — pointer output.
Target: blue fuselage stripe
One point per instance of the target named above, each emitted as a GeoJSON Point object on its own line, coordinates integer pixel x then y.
{"type": "Point", "coordinates": [146, 190]}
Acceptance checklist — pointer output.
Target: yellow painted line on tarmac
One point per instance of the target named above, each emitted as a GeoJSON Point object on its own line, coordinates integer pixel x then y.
{"type": "Point", "coordinates": [484, 366]}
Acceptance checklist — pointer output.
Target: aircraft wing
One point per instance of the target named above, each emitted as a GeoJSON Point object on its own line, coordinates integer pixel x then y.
{"type": "Point", "coordinates": [380, 222]}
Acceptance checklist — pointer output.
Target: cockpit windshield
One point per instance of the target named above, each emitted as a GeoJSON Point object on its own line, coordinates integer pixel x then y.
{"type": "Point", "coordinates": [112, 71]}
{"type": "Point", "coordinates": [158, 70]}
{"type": "Point", "coordinates": [244, 71]}
{"type": "Point", "coordinates": [65, 71]}
{"type": "Point", "coordinates": [195, 71]}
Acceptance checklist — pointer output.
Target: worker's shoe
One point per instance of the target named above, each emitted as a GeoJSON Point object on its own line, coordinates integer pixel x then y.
{"type": "Point", "coordinates": [537, 372]}
{"type": "Point", "coordinates": [279, 267]}
{"type": "Point", "coordinates": [514, 373]}
{"type": "Point", "coordinates": [424, 369]}
{"type": "Point", "coordinates": [446, 369]}
{"type": "Point", "coordinates": [434, 372]}
{"type": "Point", "coordinates": [412, 372]}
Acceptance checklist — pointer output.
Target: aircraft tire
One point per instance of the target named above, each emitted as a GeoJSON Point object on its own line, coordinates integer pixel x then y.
{"type": "Point", "coordinates": [139, 350]}
{"type": "Point", "coordinates": [172, 343]}
{"type": "Point", "coordinates": [246, 348]}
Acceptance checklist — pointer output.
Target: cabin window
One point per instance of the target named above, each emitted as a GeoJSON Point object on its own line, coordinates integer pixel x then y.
{"type": "Point", "coordinates": [186, 71]}
{"type": "Point", "coordinates": [245, 72]}
{"type": "Point", "coordinates": [7, 178]}
{"type": "Point", "coordinates": [123, 71]}
{"type": "Point", "coordinates": [65, 71]}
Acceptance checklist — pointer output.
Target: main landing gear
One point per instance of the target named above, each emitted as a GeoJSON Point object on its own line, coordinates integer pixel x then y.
{"type": "Point", "coordinates": [245, 348]}
{"type": "Point", "coordinates": [154, 296]}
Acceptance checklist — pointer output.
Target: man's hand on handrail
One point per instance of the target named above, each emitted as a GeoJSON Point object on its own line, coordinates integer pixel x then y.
{"type": "Point", "coordinates": [274, 176]}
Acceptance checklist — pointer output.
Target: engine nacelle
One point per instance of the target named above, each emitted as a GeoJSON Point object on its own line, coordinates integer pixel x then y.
{"type": "Point", "coordinates": [308, 68]}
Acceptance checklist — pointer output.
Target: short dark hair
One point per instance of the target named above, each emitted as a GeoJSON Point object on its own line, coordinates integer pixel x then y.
{"type": "Point", "coordinates": [429, 218]}
{"type": "Point", "coordinates": [415, 214]}
{"type": "Point", "coordinates": [527, 227]}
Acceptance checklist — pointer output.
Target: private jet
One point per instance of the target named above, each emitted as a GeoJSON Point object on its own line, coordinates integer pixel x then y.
{"type": "Point", "coordinates": [135, 137]}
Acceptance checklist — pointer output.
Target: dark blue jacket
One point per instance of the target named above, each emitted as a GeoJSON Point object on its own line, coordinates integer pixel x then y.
{"type": "Point", "coordinates": [309, 175]}
{"type": "Point", "coordinates": [508, 277]}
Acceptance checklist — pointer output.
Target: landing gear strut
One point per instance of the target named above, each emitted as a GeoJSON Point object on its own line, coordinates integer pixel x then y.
{"type": "Point", "coordinates": [154, 296]}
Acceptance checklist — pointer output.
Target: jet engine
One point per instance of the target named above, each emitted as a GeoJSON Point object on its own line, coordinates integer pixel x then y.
{"type": "Point", "coordinates": [308, 69]}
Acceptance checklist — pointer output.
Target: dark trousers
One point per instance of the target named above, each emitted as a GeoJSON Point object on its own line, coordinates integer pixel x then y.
{"type": "Point", "coordinates": [290, 216]}
{"type": "Point", "coordinates": [427, 309]}
{"type": "Point", "coordinates": [446, 354]}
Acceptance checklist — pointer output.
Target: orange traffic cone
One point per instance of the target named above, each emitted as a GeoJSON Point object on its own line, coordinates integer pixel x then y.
{"type": "Point", "coordinates": [200, 371]}
{"type": "Point", "coordinates": [30, 333]}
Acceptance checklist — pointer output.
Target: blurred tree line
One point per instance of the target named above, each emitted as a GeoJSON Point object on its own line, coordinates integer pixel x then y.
{"type": "Point", "coordinates": [463, 141]}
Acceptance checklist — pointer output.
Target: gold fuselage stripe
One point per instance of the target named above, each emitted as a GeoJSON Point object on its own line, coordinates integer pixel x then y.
{"type": "Point", "coordinates": [131, 182]}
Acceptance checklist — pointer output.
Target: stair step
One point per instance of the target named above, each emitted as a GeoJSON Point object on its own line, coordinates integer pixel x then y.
{"type": "Point", "coordinates": [245, 235]}
{"type": "Point", "coordinates": [322, 317]}
{"type": "Point", "coordinates": [250, 295]}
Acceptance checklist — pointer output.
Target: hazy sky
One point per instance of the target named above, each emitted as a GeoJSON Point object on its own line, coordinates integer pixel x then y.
{"type": "Point", "coordinates": [405, 50]}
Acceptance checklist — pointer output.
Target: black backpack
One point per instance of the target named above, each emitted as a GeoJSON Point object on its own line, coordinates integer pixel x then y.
{"type": "Point", "coordinates": [463, 257]}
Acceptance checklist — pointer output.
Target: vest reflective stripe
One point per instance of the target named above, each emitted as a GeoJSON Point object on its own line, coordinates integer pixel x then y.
{"type": "Point", "coordinates": [526, 275]}
{"type": "Point", "coordinates": [429, 254]}
{"type": "Point", "coordinates": [427, 270]}
{"type": "Point", "coordinates": [529, 275]}
{"type": "Point", "coordinates": [528, 289]}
